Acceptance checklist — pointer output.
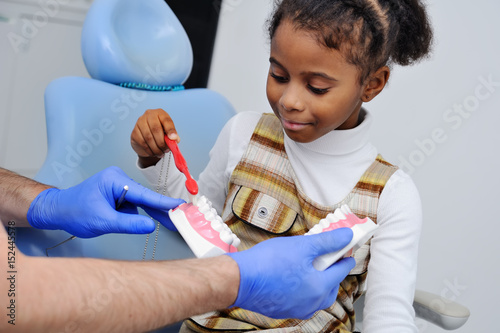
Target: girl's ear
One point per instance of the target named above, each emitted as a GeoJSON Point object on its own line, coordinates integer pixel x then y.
{"type": "Point", "coordinates": [375, 83]}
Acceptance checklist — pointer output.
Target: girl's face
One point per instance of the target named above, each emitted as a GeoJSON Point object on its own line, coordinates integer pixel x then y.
{"type": "Point", "coordinates": [312, 89]}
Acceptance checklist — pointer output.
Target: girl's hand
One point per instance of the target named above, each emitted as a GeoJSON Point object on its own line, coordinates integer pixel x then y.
{"type": "Point", "coordinates": [147, 138]}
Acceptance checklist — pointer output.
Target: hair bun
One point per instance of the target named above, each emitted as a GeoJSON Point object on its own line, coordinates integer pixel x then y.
{"type": "Point", "coordinates": [412, 40]}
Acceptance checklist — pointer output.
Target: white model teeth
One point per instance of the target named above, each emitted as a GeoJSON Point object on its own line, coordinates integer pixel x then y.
{"type": "Point", "coordinates": [216, 222]}
{"type": "Point", "coordinates": [236, 241]}
{"type": "Point", "coordinates": [324, 223]}
{"type": "Point", "coordinates": [203, 209]}
{"type": "Point", "coordinates": [210, 215]}
{"type": "Point", "coordinates": [202, 200]}
{"type": "Point", "coordinates": [315, 230]}
{"type": "Point", "coordinates": [336, 216]}
{"type": "Point", "coordinates": [226, 236]}
{"type": "Point", "coordinates": [346, 210]}
{"type": "Point", "coordinates": [332, 218]}
{"type": "Point", "coordinates": [339, 214]}
{"type": "Point", "coordinates": [216, 225]}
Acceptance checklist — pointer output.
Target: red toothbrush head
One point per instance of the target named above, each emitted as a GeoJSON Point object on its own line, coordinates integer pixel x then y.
{"type": "Point", "coordinates": [192, 186]}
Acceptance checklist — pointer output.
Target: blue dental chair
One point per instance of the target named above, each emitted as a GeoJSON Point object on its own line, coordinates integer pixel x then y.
{"type": "Point", "coordinates": [432, 308]}
{"type": "Point", "coordinates": [142, 46]}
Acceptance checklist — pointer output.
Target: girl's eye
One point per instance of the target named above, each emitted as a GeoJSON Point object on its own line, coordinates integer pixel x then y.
{"type": "Point", "coordinates": [318, 91]}
{"type": "Point", "coordinates": [278, 78]}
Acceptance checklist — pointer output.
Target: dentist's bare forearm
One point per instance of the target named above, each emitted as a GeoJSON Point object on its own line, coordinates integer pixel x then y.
{"type": "Point", "coordinates": [16, 194]}
{"type": "Point", "coordinates": [93, 295]}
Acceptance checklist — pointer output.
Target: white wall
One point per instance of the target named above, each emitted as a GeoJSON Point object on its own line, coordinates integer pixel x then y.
{"type": "Point", "coordinates": [39, 42]}
{"type": "Point", "coordinates": [449, 153]}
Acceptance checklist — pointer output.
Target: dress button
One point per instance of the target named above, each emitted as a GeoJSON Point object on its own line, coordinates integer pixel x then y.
{"type": "Point", "coordinates": [262, 212]}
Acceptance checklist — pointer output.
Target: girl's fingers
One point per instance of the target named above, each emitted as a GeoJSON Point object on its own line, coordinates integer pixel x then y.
{"type": "Point", "coordinates": [139, 144]}
{"type": "Point", "coordinates": [147, 137]}
{"type": "Point", "coordinates": [168, 127]}
{"type": "Point", "coordinates": [159, 123]}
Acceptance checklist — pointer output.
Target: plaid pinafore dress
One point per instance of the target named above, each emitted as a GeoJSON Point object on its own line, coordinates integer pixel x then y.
{"type": "Point", "coordinates": [266, 201]}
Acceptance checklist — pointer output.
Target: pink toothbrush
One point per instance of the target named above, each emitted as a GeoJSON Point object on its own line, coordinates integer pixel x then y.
{"type": "Point", "coordinates": [181, 164]}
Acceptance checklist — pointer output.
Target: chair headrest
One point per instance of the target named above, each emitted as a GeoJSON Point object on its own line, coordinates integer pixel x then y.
{"type": "Point", "coordinates": [135, 41]}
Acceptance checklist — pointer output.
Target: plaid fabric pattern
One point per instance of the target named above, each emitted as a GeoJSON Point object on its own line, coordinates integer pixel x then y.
{"type": "Point", "coordinates": [265, 200]}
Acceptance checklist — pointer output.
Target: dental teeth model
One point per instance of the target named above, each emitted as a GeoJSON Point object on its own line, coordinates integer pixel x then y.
{"type": "Point", "coordinates": [342, 217]}
{"type": "Point", "coordinates": [203, 230]}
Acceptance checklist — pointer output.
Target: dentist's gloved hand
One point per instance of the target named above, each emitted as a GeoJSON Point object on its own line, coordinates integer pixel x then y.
{"type": "Point", "coordinates": [89, 209]}
{"type": "Point", "coordinates": [278, 280]}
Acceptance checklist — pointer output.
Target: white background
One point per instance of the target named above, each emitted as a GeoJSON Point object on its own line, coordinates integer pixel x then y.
{"type": "Point", "coordinates": [456, 176]}
{"type": "Point", "coordinates": [33, 52]}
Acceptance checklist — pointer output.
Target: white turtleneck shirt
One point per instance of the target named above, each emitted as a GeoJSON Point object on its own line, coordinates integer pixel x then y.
{"type": "Point", "coordinates": [328, 169]}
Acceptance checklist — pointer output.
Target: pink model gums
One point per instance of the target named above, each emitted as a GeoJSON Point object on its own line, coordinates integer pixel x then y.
{"type": "Point", "coordinates": [343, 217]}
{"type": "Point", "coordinates": [203, 230]}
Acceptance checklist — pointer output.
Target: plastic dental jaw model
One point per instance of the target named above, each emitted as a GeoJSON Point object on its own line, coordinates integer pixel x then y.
{"type": "Point", "coordinates": [203, 230]}
{"type": "Point", "coordinates": [342, 217]}
{"type": "Point", "coordinates": [198, 223]}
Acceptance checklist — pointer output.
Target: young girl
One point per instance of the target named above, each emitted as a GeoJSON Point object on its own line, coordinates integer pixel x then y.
{"type": "Point", "coordinates": [278, 174]}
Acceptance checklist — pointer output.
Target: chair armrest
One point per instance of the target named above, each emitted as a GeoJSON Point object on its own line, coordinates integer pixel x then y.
{"type": "Point", "coordinates": [439, 311]}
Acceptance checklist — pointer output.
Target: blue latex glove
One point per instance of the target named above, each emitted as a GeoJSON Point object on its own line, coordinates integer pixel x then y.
{"type": "Point", "coordinates": [89, 209]}
{"type": "Point", "coordinates": [278, 280]}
